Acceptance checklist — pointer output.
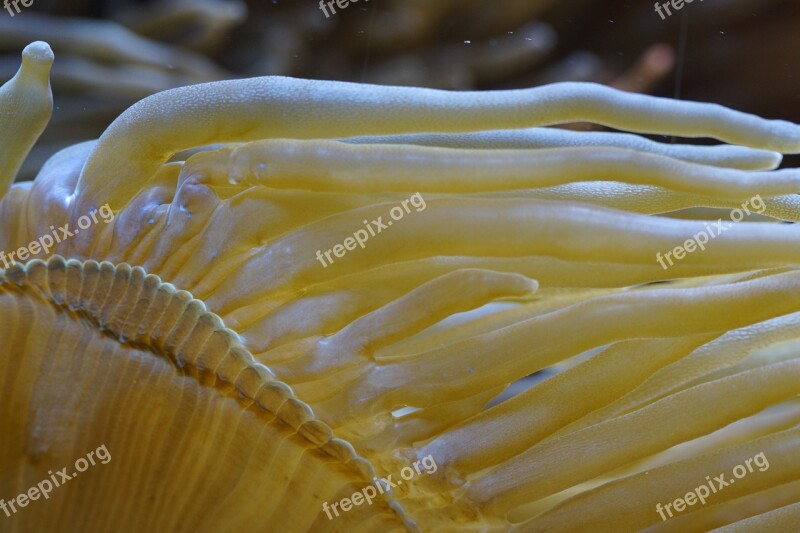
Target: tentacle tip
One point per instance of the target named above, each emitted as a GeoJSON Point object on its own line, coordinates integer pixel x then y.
{"type": "Point", "coordinates": [38, 54]}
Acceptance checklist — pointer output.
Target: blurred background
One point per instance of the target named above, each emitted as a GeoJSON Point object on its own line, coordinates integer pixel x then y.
{"type": "Point", "coordinates": [109, 54]}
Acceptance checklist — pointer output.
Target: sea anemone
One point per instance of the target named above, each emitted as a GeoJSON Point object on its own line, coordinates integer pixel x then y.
{"type": "Point", "coordinates": [115, 53]}
{"type": "Point", "coordinates": [510, 328]}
